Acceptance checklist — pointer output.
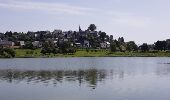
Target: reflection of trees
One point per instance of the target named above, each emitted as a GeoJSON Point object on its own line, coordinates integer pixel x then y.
{"type": "Point", "coordinates": [90, 76]}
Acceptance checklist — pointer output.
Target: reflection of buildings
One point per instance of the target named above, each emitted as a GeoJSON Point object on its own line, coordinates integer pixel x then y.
{"type": "Point", "coordinates": [91, 77]}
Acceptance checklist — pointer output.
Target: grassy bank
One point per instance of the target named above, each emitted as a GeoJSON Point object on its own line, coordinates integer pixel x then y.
{"type": "Point", "coordinates": [26, 53]}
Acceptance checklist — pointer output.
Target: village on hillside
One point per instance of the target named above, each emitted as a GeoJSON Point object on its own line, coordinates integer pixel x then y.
{"type": "Point", "coordinates": [60, 41]}
{"type": "Point", "coordinates": [81, 39]}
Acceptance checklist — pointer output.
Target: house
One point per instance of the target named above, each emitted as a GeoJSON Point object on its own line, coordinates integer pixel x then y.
{"type": "Point", "coordinates": [94, 33]}
{"type": "Point", "coordinates": [22, 43]}
{"type": "Point", "coordinates": [5, 43]}
{"type": "Point", "coordinates": [83, 33]}
{"type": "Point", "coordinates": [36, 44]}
{"type": "Point", "coordinates": [108, 44]}
{"type": "Point", "coordinates": [57, 31]}
{"type": "Point", "coordinates": [77, 44]}
{"type": "Point", "coordinates": [105, 45]}
{"type": "Point", "coordinates": [55, 43]}
{"type": "Point", "coordinates": [65, 40]}
{"type": "Point", "coordinates": [86, 43]}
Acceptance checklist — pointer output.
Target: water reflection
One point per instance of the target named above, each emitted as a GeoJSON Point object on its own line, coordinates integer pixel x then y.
{"type": "Point", "coordinates": [90, 76]}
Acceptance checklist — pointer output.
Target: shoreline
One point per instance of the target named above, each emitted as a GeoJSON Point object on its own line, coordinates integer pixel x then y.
{"type": "Point", "coordinates": [68, 56]}
{"type": "Point", "coordinates": [27, 53]}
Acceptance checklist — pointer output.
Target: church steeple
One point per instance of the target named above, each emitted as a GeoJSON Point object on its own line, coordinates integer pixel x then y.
{"type": "Point", "coordinates": [80, 29]}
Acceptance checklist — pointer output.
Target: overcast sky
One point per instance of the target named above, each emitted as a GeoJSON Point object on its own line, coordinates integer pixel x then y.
{"type": "Point", "coordinates": [139, 20]}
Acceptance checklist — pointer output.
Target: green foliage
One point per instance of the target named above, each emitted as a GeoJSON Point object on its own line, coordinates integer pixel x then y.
{"type": "Point", "coordinates": [153, 51]}
{"type": "Point", "coordinates": [95, 53]}
{"type": "Point", "coordinates": [30, 52]}
{"type": "Point", "coordinates": [144, 47]}
{"type": "Point", "coordinates": [131, 46]}
{"type": "Point", "coordinates": [11, 52]}
{"type": "Point", "coordinates": [7, 52]}
{"type": "Point", "coordinates": [87, 49]}
{"type": "Point", "coordinates": [113, 47]}
{"type": "Point", "coordinates": [102, 36]}
{"type": "Point", "coordinates": [92, 27]}
{"type": "Point", "coordinates": [160, 45]}
{"type": "Point", "coordinates": [8, 34]}
{"type": "Point", "coordinates": [49, 47]}
{"type": "Point", "coordinates": [168, 46]}
{"type": "Point", "coordinates": [28, 45]}
{"type": "Point", "coordinates": [121, 39]}
{"type": "Point", "coordinates": [65, 47]}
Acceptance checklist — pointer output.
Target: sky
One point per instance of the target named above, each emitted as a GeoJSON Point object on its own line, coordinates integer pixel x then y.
{"type": "Point", "coordinates": [142, 21]}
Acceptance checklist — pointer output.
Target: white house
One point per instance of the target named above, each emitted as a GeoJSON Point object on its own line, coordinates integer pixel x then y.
{"type": "Point", "coordinates": [55, 43]}
{"type": "Point", "coordinates": [105, 45]}
{"type": "Point", "coordinates": [22, 43]}
{"type": "Point", "coordinates": [86, 43]}
{"type": "Point", "coordinates": [36, 44]}
{"type": "Point", "coordinates": [65, 40]}
{"type": "Point", "coordinates": [108, 44]}
{"type": "Point", "coordinates": [78, 44]}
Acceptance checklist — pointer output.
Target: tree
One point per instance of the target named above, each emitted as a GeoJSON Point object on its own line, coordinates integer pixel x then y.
{"type": "Point", "coordinates": [7, 52]}
{"type": "Point", "coordinates": [66, 47]}
{"type": "Point", "coordinates": [168, 44]}
{"type": "Point", "coordinates": [8, 34]}
{"type": "Point", "coordinates": [28, 45]}
{"type": "Point", "coordinates": [11, 52]}
{"type": "Point", "coordinates": [131, 46]}
{"type": "Point", "coordinates": [111, 38]}
{"type": "Point", "coordinates": [113, 47]}
{"type": "Point", "coordinates": [144, 47]}
{"type": "Point", "coordinates": [102, 36]}
{"type": "Point", "coordinates": [160, 45]}
{"type": "Point", "coordinates": [92, 27]}
{"type": "Point", "coordinates": [121, 39]}
{"type": "Point", "coordinates": [23, 37]}
{"type": "Point", "coordinates": [48, 47]}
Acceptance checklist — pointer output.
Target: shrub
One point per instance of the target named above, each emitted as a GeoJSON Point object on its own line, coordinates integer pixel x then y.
{"type": "Point", "coordinates": [153, 51]}
{"type": "Point", "coordinates": [87, 50]}
{"type": "Point", "coordinates": [7, 52]}
{"type": "Point", "coordinates": [29, 52]}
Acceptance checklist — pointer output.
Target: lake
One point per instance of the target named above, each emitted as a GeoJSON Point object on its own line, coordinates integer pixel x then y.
{"type": "Point", "coordinates": [89, 78]}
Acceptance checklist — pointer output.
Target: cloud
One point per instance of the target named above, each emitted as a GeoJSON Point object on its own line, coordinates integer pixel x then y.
{"type": "Point", "coordinates": [118, 18]}
{"type": "Point", "coordinates": [132, 21]}
{"type": "Point", "coordinates": [55, 8]}
{"type": "Point", "coordinates": [129, 19]}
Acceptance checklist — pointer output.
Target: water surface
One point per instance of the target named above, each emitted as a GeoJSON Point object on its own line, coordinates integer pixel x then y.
{"type": "Point", "coordinates": [120, 78]}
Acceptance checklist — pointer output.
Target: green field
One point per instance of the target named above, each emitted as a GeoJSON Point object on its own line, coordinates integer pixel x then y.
{"type": "Point", "coordinates": [26, 53]}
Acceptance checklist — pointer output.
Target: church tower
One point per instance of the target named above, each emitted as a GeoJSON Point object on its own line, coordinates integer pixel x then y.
{"type": "Point", "coordinates": [80, 29]}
